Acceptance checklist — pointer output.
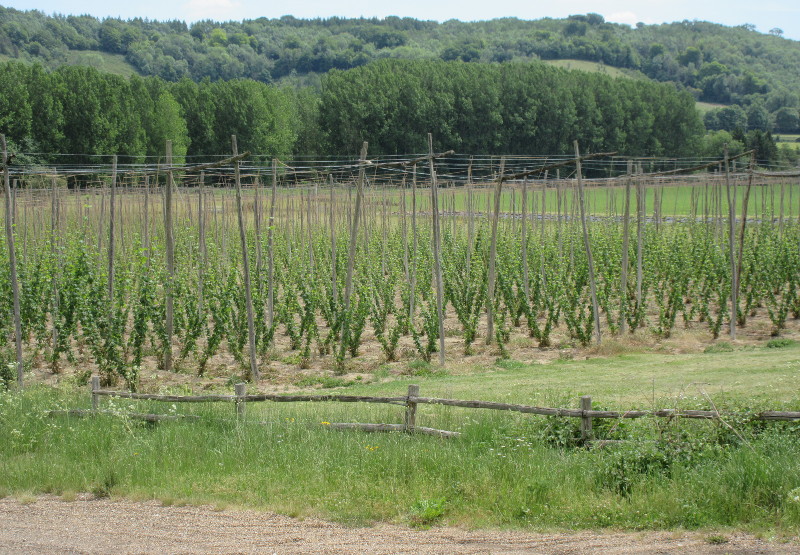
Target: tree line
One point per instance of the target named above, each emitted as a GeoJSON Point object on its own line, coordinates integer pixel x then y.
{"type": "Point", "coordinates": [510, 108]}
{"type": "Point", "coordinates": [729, 65]}
{"type": "Point", "coordinates": [82, 112]}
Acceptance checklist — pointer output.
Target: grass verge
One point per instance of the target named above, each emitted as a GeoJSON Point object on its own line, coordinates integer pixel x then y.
{"type": "Point", "coordinates": [506, 470]}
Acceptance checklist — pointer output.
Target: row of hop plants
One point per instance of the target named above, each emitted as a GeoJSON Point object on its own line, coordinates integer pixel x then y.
{"type": "Point", "coordinates": [686, 280]}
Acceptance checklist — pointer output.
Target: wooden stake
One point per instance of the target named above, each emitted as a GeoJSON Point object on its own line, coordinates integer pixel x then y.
{"type": "Point", "coordinates": [731, 244]}
{"type": "Point", "coordinates": [111, 237]}
{"type": "Point", "coordinates": [271, 248]}
{"type": "Point", "coordinates": [493, 254]}
{"type": "Point", "coordinates": [586, 421]}
{"type": "Point", "coordinates": [12, 261]}
{"type": "Point", "coordinates": [640, 204]}
{"type": "Point", "coordinates": [413, 292]}
{"type": "Point", "coordinates": [437, 251]}
{"type": "Point", "coordinates": [411, 408]}
{"type": "Point", "coordinates": [248, 293]}
{"type": "Point", "coordinates": [170, 241]}
{"type": "Point", "coordinates": [626, 220]}
{"type": "Point", "coordinates": [351, 254]}
{"type": "Point", "coordinates": [525, 281]}
{"type": "Point", "coordinates": [587, 245]}
{"type": "Point", "coordinates": [332, 220]}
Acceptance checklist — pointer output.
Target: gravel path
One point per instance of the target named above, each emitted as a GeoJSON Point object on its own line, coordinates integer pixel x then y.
{"type": "Point", "coordinates": [48, 525]}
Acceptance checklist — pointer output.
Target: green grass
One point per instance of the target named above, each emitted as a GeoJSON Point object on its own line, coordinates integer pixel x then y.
{"type": "Point", "coordinates": [591, 67]}
{"type": "Point", "coordinates": [766, 375]}
{"type": "Point", "coordinates": [506, 470]}
{"type": "Point", "coordinates": [708, 106]}
{"type": "Point", "coordinates": [109, 63]}
{"type": "Point", "coordinates": [793, 141]}
{"type": "Point", "coordinates": [102, 61]}
{"type": "Point", "coordinates": [676, 200]}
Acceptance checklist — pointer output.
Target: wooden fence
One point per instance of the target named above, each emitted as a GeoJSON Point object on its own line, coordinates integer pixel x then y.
{"type": "Point", "coordinates": [410, 401]}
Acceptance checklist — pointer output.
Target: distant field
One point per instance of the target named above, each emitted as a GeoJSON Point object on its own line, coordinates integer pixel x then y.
{"type": "Point", "coordinates": [708, 106]}
{"type": "Point", "coordinates": [676, 200]}
{"type": "Point", "coordinates": [592, 67]}
{"type": "Point", "coordinates": [111, 63]}
{"type": "Point", "coordinates": [791, 140]}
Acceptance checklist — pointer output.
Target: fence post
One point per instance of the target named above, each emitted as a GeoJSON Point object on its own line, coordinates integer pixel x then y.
{"type": "Point", "coordinates": [586, 421]}
{"type": "Point", "coordinates": [95, 396]}
{"type": "Point", "coordinates": [241, 391]}
{"type": "Point", "coordinates": [411, 408]}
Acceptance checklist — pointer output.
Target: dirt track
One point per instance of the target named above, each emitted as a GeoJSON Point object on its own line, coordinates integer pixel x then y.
{"type": "Point", "coordinates": [48, 525]}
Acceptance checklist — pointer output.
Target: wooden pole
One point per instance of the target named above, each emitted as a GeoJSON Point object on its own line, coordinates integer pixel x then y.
{"type": "Point", "coordinates": [640, 204]}
{"type": "Point", "coordinates": [542, 228]}
{"type": "Point", "coordinates": [470, 215]}
{"type": "Point", "coordinates": [626, 221]}
{"type": "Point", "coordinates": [437, 251]}
{"type": "Point", "coordinates": [146, 223]}
{"type": "Point", "coordinates": [12, 261]}
{"type": "Point", "coordinates": [493, 254]}
{"type": "Point", "coordinates": [744, 219]}
{"type": "Point", "coordinates": [332, 220]}
{"type": "Point", "coordinates": [95, 389]}
{"type": "Point", "coordinates": [411, 408]}
{"type": "Point", "coordinates": [55, 220]}
{"type": "Point", "coordinates": [587, 245]}
{"type": "Point", "coordinates": [111, 237]}
{"type": "Point", "coordinates": [586, 421]}
{"type": "Point", "coordinates": [271, 248]}
{"type": "Point", "coordinates": [731, 244]}
{"type": "Point", "coordinates": [240, 390]}
{"type": "Point", "coordinates": [170, 244]}
{"type": "Point", "coordinates": [525, 279]}
{"type": "Point", "coordinates": [248, 293]}
{"type": "Point", "coordinates": [201, 224]}
{"type": "Point", "coordinates": [257, 215]}
{"type": "Point", "coordinates": [351, 254]}
{"type": "Point", "coordinates": [413, 292]}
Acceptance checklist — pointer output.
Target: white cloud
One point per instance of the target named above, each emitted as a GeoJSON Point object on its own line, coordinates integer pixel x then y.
{"type": "Point", "coordinates": [218, 10]}
{"type": "Point", "coordinates": [629, 18]}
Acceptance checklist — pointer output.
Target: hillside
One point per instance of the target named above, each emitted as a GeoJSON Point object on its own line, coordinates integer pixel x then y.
{"type": "Point", "coordinates": [730, 65]}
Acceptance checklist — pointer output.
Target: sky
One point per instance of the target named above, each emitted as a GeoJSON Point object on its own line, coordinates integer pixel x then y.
{"type": "Point", "coordinates": [765, 15]}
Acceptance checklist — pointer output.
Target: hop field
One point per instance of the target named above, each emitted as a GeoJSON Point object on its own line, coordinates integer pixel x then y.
{"type": "Point", "coordinates": [105, 289]}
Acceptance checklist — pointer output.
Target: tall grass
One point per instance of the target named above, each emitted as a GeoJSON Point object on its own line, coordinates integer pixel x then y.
{"type": "Point", "coordinates": [505, 470]}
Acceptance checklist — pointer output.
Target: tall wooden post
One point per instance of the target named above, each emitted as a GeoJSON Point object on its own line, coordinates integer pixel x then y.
{"type": "Point", "coordinates": [170, 244]}
{"type": "Point", "coordinates": [271, 248]}
{"type": "Point", "coordinates": [625, 246]}
{"type": "Point", "coordinates": [525, 279]}
{"type": "Point", "coordinates": [351, 254]}
{"type": "Point", "coordinates": [587, 245]}
{"type": "Point", "coordinates": [437, 251]}
{"type": "Point", "coordinates": [248, 292]}
{"type": "Point", "coordinates": [111, 236]}
{"type": "Point", "coordinates": [493, 254]}
{"type": "Point", "coordinates": [586, 421]}
{"type": "Point", "coordinates": [411, 408]}
{"type": "Point", "coordinates": [412, 295]}
{"type": "Point", "coordinates": [12, 261]}
{"type": "Point", "coordinates": [732, 244]}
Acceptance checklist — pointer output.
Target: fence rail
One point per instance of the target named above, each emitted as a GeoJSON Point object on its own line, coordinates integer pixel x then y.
{"type": "Point", "coordinates": [412, 399]}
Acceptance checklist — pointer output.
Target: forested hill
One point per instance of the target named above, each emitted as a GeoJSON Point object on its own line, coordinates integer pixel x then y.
{"type": "Point", "coordinates": [730, 65]}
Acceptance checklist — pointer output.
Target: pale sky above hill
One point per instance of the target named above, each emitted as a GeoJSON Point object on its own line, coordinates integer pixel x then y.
{"type": "Point", "coordinates": [765, 15]}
